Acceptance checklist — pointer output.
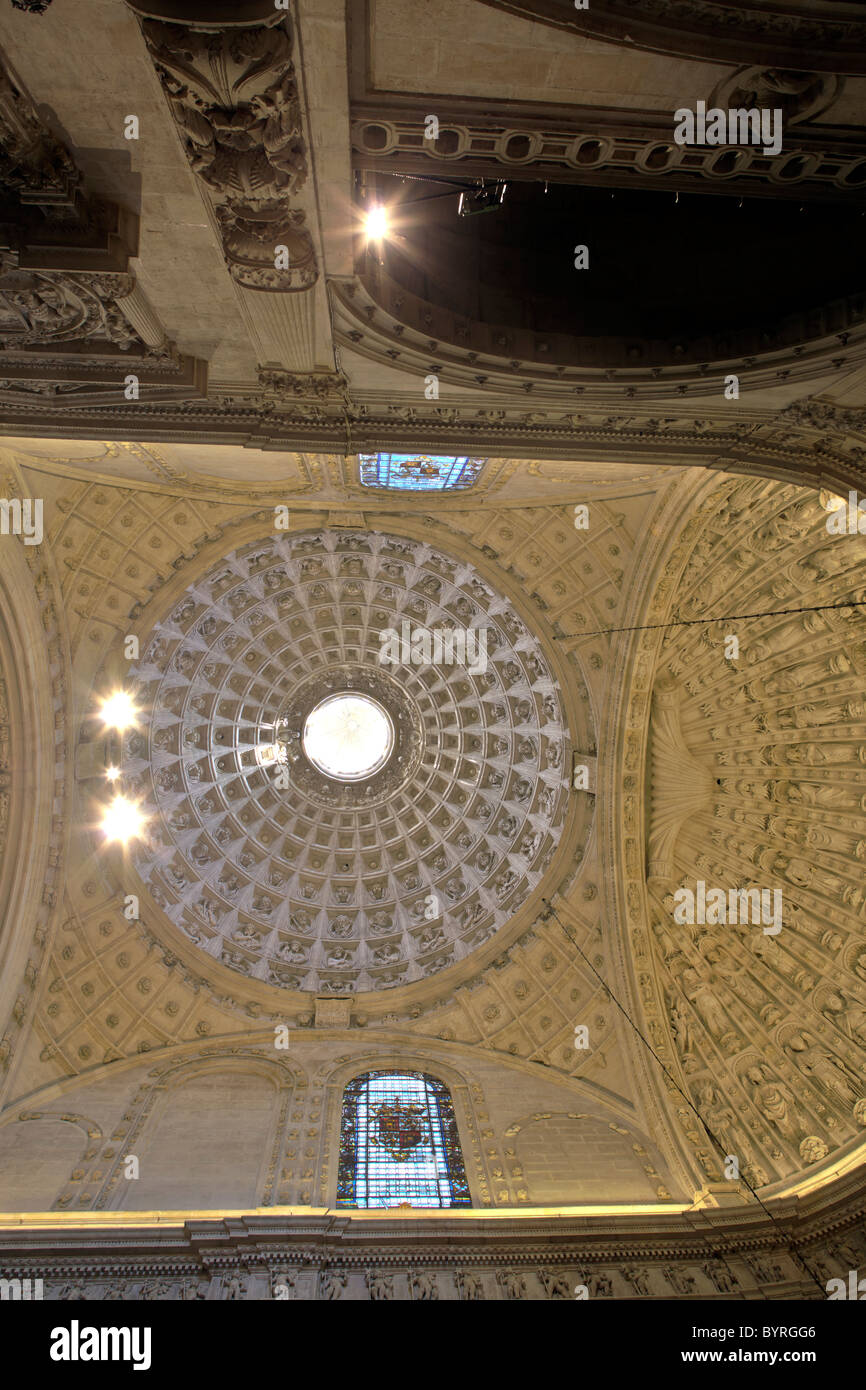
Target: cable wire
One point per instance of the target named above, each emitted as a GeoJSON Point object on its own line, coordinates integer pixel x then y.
{"type": "Point", "coordinates": [704, 622]}
{"type": "Point", "coordinates": [789, 1242]}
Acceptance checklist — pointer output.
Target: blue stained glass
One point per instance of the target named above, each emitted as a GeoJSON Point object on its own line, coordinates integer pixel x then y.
{"type": "Point", "coordinates": [399, 1143]}
{"type": "Point", "coordinates": [419, 472]}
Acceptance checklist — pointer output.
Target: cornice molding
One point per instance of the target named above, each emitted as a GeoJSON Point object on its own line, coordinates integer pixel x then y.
{"type": "Point", "coordinates": [772, 447]}
{"type": "Point", "coordinates": [608, 149]}
{"type": "Point", "coordinates": [316, 1253]}
{"type": "Point", "coordinates": [828, 37]}
{"type": "Point", "coordinates": [393, 323]}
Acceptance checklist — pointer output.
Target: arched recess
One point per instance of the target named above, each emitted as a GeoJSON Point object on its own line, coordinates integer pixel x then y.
{"type": "Point", "coordinates": [571, 1159]}
{"type": "Point", "coordinates": [40, 1153]}
{"type": "Point", "coordinates": [207, 1135]}
{"type": "Point", "coordinates": [654, 348]}
{"type": "Point", "coordinates": [402, 1061]}
{"type": "Point", "coordinates": [808, 442]}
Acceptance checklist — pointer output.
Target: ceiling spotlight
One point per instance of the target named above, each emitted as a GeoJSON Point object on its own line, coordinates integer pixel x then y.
{"type": "Point", "coordinates": [479, 200]}
{"type": "Point", "coordinates": [376, 223]}
{"type": "Point", "coordinates": [831, 501]}
{"type": "Point", "coordinates": [123, 821]}
{"type": "Point", "coordinates": [118, 711]}
{"type": "Point", "coordinates": [112, 773]}
{"type": "Point", "coordinates": [268, 754]}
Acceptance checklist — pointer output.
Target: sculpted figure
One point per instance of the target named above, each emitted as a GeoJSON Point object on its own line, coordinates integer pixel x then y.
{"type": "Point", "coordinates": [332, 1284]}
{"type": "Point", "coordinates": [513, 1283]}
{"type": "Point", "coordinates": [772, 1102]}
{"type": "Point", "coordinates": [424, 1286]}
{"type": "Point", "coordinates": [470, 1284]}
{"type": "Point", "coordinates": [380, 1286]}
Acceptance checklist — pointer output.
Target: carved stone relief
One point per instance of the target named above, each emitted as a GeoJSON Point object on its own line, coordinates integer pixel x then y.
{"type": "Point", "coordinates": [801, 96]}
{"type": "Point", "coordinates": [39, 308]}
{"type": "Point", "coordinates": [65, 283]}
{"type": "Point", "coordinates": [352, 1264]}
{"type": "Point", "coordinates": [234, 97]}
{"type": "Point", "coordinates": [767, 1025]}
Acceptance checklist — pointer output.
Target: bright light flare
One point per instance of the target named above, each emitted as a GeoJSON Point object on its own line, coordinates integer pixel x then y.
{"type": "Point", "coordinates": [123, 821]}
{"type": "Point", "coordinates": [118, 711]}
{"type": "Point", "coordinates": [112, 773]}
{"type": "Point", "coordinates": [268, 754]}
{"type": "Point", "coordinates": [376, 223]}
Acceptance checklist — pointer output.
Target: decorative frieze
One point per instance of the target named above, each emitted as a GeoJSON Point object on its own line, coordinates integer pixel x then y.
{"type": "Point", "coordinates": [312, 1256]}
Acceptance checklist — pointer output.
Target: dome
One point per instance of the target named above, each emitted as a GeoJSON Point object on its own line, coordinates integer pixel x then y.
{"type": "Point", "coordinates": [354, 765]}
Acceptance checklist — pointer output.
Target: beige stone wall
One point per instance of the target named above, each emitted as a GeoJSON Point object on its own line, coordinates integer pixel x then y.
{"type": "Point", "coordinates": [36, 1160]}
{"type": "Point", "coordinates": [206, 1145]}
{"type": "Point", "coordinates": [239, 1127]}
{"type": "Point", "coordinates": [469, 51]}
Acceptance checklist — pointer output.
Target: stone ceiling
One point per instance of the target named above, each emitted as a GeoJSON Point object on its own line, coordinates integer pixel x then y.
{"type": "Point", "coordinates": [218, 949]}
{"type": "Point", "coordinates": [124, 557]}
{"type": "Point", "coordinates": [256, 394]}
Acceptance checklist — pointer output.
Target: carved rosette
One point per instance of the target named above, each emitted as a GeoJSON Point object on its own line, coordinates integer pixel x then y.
{"type": "Point", "coordinates": [234, 97]}
{"type": "Point", "coordinates": [800, 96]}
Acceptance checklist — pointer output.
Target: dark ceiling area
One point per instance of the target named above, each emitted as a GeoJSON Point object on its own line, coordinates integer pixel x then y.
{"type": "Point", "coordinates": [660, 266]}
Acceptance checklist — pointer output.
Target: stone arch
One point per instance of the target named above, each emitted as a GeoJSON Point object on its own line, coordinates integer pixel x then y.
{"type": "Point", "coordinates": [27, 785]}
{"type": "Point", "coordinates": [759, 1019]}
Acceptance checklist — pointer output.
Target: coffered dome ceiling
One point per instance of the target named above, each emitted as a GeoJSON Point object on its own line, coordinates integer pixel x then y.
{"type": "Point", "coordinates": [332, 884]}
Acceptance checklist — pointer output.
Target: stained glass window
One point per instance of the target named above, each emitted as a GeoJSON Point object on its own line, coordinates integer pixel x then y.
{"type": "Point", "coordinates": [419, 472]}
{"type": "Point", "coordinates": [399, 1143]}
